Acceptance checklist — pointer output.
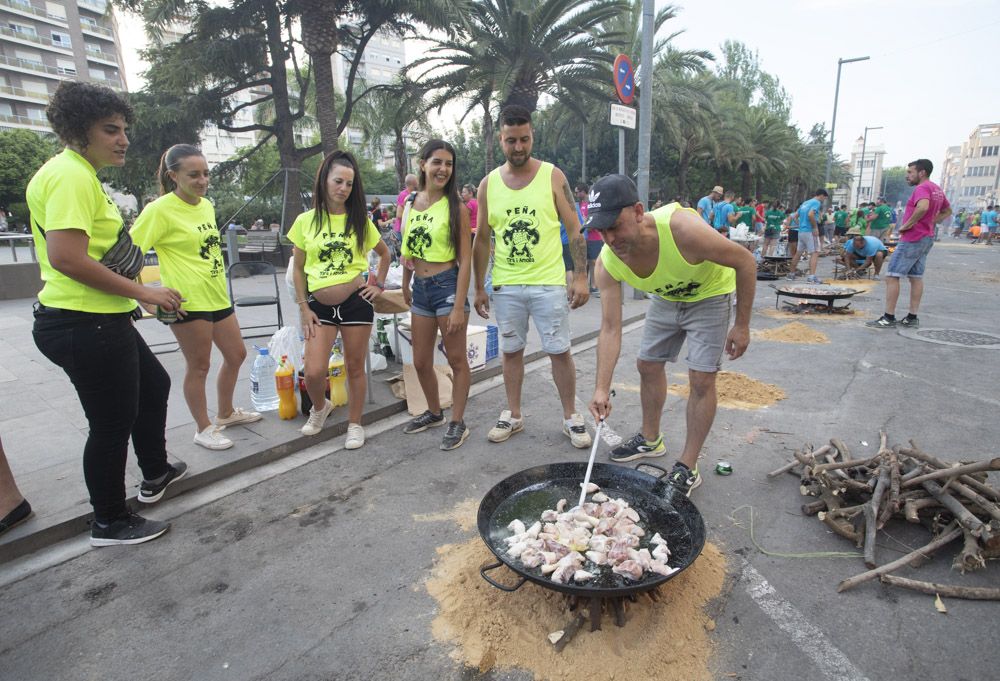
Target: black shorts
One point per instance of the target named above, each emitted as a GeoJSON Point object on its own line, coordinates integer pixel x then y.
{"type": "Point", "coordinates": [594, 248]}
{"type": "Point", "coordinates": [793, 236]}
{"type": "Point", "coordinates": [213, 316]}
{"type": "Point", "coordinates": [567, 258]}
{"type": "Point", "coordinates": [354, 311]}
{"type": "Point", "coordinates": [840, 231]}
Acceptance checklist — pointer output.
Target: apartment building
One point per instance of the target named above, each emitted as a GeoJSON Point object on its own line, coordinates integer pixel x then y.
{"type": "Point", "coordinates": [971, 177]}
{"type": "Point", "coordinates": [43, 42]}
{"type": "Point", "coordinates": [384, 57]}
{"type": "Point", "coordinates": [866, 172]}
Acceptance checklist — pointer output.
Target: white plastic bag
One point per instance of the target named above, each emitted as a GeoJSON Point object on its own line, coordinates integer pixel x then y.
{"type": "Point", "coordinates": [289, 276]}
{"type": "Point", "coordinates": [394, 278]}
{"type": "Point", "coordinates": [286, 341]}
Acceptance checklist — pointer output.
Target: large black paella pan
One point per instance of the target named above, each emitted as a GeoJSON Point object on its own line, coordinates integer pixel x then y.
{"type": "Point", "coordinates": [524, 495]}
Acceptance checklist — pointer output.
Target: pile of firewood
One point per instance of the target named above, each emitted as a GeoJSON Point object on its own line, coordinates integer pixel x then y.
{"type": "Point", "coordinates": [857, 497]}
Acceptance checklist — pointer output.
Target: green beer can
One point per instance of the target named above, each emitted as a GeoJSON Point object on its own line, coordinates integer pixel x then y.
{"type": "Point", "coordinates": [724, 468]}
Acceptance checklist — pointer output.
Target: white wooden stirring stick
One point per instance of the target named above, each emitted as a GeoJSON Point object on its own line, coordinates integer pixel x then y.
{"type": "Point", "coordinates": [590, 464]}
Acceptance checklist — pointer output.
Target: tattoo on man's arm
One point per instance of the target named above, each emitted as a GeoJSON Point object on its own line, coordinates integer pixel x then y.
{"type": "Point", "coordinates": [578, 251]}
{"type": "Point", "coordinates": [568, 194]}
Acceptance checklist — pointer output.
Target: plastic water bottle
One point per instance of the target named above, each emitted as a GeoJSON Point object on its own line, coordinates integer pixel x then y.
{"type": "Point", "coordinates": [263, 393]}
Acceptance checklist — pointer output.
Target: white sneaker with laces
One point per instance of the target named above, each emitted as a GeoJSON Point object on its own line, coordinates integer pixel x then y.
{"type": "Point", "coordinates": [576, 431]}
{"type": "Point", "coordinates": [506, 426]}
{"type": "Point", "coordinates": [355, 436]}
{"type": "Point", "coordinates": [212, 438]}
{"type": "Point", "coordinates": [238, 416]}
{"type": "Point", "coordinates": [317, 419]}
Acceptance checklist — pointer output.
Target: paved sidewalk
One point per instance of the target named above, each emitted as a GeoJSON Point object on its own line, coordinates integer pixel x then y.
{"type": "Point", "coordinates": [44, 429]}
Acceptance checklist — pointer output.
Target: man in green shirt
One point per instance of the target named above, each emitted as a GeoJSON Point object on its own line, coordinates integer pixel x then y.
{"type": "Point", "coordinates": [773, 217]}
{"type": "Point", "coordinates": [840, 220]}
{"type": "Point", "coordinates": [882, 217]}
{"type": "Point", "coordinates": [744, 213]}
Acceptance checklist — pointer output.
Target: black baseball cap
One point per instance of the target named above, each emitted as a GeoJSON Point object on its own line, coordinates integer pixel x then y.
{"type": "Point", "coordinates": [608, 196]}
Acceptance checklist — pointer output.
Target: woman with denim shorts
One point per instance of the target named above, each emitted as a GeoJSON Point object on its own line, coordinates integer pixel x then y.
{"type": "Point", "coordinates": [438, 241]}
{"type": "Point", "coordinates": [332, 242]}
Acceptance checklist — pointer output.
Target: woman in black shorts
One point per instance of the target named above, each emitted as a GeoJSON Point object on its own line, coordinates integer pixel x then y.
{"type": "Point", "coordinates": [332, 243]}
{"type": "Point", "coordinates": [180, 227]}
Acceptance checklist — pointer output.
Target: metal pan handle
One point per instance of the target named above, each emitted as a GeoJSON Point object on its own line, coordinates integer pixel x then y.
{"type": "Point", "coordinates": [663, 471]}
{"type": "Point", "coordinates": [486, 567]}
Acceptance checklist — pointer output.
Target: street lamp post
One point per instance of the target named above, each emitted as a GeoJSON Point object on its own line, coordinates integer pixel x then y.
{"type": "Point", "coordinates": [861, 172]}
{"type": "Point", "coordinates": [833, 123]}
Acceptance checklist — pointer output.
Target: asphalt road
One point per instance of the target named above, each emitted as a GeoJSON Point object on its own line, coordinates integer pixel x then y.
{"type": "Point", "coordinates": [315, 571]}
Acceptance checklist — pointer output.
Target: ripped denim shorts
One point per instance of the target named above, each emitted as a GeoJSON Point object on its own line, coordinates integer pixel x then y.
{"type": "Point", "coordinates": [434, 296]}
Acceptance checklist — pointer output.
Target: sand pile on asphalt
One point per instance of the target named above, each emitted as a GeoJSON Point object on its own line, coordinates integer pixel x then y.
{"type": "Point", "coordinates": [989, 278]}
{"type": "Point", "coordinates": [796, 332]}
{"type": "Point", "coordinates": [491, 628]}
{"type": "Point", "coordinates": [463, 515]}
{"type": "Point", "coordinates": [737, 391]}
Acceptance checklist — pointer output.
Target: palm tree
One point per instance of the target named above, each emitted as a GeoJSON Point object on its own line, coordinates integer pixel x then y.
{"type": "Point", "coordinates": [392, 111]}
{"type": "Point", "coordinates": [768, 143]}
{"type": "Point", "coordinates": [323, 34]}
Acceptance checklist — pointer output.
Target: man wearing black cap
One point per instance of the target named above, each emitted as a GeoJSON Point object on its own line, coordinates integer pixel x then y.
{"type": "Point", "coordinates": [691, 271]}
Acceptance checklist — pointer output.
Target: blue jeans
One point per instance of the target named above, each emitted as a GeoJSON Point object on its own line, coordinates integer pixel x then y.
{"type": "Point", "coordinates": [123, 389]}
{"type": "Point", "coordinates": [910, 258]}
{"type": "Point", "coordinates": [434, 296]}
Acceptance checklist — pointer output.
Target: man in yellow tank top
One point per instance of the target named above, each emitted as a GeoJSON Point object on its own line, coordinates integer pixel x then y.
{"type": "Point", "coordinates": [521, 204]}
{"type": "Point", "coordinates": [690, 272]}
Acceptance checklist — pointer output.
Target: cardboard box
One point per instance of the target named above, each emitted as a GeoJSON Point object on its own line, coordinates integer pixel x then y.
{"type": "Point", "coordinates": [476, 347]}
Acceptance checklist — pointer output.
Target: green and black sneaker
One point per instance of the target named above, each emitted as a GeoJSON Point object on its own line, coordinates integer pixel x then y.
{"type": "Point", "coordinates": [683, 478]}
{"type": "Point", "coordinates": [638, 447]}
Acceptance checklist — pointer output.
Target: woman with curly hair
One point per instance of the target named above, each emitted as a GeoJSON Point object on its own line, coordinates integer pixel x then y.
{"type": "Point", "coordinates": [332, 242]}
{"type": "Point", "coordinates": [83, 317]}
{"type": "Point", "coordinates": [180, 226]}
{"type": "Point", "coordinates": [437, 240]}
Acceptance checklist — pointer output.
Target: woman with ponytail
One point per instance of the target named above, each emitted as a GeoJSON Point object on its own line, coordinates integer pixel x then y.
{"type": "Point", "coordinates": [437, 240]}
{"type": "Point", "coordinates": [332, 244]}
{"type": "Point", "coordinates": [180, 227]}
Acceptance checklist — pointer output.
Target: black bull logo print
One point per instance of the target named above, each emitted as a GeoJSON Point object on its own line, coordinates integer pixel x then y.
{"type": "Point", "coordinates": [520, 235]}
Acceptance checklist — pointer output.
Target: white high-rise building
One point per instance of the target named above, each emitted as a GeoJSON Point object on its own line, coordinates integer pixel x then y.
{"type": "Point", "coordinates": [866, 172]}
{"type": "Point", "coordinates": [43, 42]}
{"type": "Point", "coordinates": [384, 57]}
{"type": "Point", "coordinates": [971, 177]}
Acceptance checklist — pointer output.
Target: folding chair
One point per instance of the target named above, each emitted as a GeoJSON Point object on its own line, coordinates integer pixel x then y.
{"type": "Point", "coordinates": [247, 270]}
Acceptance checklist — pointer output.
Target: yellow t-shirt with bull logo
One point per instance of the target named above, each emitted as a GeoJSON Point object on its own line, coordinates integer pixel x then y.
{"type": "Point", "coordinates": [188, 246]}
{"type": "Point", "coordinates": [674, 279]}
{"type": "Point", "coordinates": [525, 225]}
{"type": "Point", "coordinates": [332, 253]}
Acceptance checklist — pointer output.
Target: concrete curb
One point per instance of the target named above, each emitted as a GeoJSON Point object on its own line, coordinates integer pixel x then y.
{"type": "Point", "coordinates": [70, 527]}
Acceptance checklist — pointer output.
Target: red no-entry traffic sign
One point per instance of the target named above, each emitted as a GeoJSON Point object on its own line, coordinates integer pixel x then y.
{"type": "Point", "coordinates": [624, 79]}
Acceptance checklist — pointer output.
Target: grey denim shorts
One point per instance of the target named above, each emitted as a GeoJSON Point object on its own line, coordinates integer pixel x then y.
{"type": "Point", "coordinates": [704, 324]}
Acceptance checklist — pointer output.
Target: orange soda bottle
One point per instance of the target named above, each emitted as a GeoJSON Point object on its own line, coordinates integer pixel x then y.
{"type": "Point", "coordinates": [284, 380]}
{"type": "Point", "coordinates": [338, 378]}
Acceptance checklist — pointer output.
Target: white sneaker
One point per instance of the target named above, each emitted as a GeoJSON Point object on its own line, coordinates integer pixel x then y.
{"type": "Point", "coordinates": [238, 416]}
{"type": "Point", "coordinates": [212, 438]}
{"type": "Point", "coordinates": [505, 427]}
{"type": "Point", "coordinates": [355, 436]}
{"type": "Point", "coordinates": [577, 432]}
{"type": "Point", "coordinates": [317, 419]}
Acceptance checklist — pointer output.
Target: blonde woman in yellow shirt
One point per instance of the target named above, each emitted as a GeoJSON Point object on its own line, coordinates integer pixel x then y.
{"type": "Point", "coordinates": [332, 243]}
{"type": "Point", "coordinates": [438, 241]}
{"type": "Point", "coordinates": [180, 227]}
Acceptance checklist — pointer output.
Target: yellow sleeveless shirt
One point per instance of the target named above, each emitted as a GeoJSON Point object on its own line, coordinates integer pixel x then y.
{"type": "Point", "coordinates": [525, 224]}
{"type": "Point", "coordinates": [427, 233]}
{"type": "Point", "coordinates": [674, 279]}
